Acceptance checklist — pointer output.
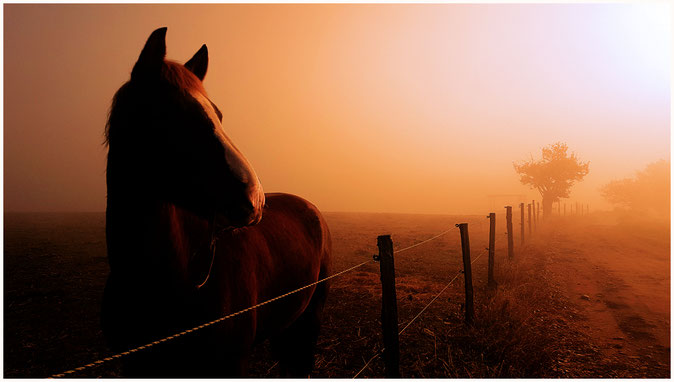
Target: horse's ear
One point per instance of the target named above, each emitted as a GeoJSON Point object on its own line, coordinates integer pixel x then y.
{"type": "Point", "coordinates": [152, 56]}
{"type": "Point", "coordinates": [198, 64]}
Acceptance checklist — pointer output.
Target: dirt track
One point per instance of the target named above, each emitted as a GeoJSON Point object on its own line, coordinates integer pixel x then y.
{"type": "Point", "coordinates": [617, 279]}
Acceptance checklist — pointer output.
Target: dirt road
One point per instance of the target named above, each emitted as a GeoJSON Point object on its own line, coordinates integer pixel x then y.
{"type": "Point", "coordinates": [616, 278]}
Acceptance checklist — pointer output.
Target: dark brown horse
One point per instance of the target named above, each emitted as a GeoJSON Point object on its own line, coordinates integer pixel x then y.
{"type": "Point", "coordinates": [192, 237]}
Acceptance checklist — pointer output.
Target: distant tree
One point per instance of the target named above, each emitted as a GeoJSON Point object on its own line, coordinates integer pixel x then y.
{"type": "Point", "coordinates": [649, 190]}
{"type": "Point", "coordinates": [554, 174]}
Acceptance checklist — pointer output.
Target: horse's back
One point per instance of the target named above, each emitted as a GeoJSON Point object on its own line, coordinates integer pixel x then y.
{"type": "Point", "coordinates": [287, 210]}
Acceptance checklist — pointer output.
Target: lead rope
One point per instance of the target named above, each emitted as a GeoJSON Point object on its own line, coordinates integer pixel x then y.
{"type": "Point", "coordinates": [212, 250]}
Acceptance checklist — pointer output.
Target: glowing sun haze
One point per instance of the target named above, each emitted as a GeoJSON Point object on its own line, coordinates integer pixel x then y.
{"type": "Point", "coordinates": [386, 108]}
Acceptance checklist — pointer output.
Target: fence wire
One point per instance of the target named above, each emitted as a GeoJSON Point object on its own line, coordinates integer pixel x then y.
{"type": "Point", "coordinates": [380, 352]}
{"type": "Point", "coordinates": [425, 241]}
{"type": "Point", "coordinates": [232, 315]}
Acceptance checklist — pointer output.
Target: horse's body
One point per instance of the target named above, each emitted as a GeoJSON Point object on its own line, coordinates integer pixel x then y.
{"type": "Point", "coordinates": [180, 256]}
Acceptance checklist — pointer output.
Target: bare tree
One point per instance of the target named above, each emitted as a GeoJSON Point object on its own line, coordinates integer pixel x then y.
{"type": "Point", "coordinates": [554, 174]}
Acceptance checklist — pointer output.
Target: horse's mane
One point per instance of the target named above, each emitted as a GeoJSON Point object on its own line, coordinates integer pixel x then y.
{"type": "Point", "coordinates": [179, 76]}
{"type": "Point", "coordinates": [172, 73]}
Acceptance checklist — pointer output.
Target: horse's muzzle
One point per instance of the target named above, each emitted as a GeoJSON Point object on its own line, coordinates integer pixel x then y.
{"type": "Point", "coordinates": [246, 213]}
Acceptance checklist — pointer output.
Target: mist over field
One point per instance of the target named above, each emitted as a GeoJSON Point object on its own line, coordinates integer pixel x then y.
{"type": "Point", "coordinates": [390, 119]}
{"type": "Point", "coordinates": [381, 108]}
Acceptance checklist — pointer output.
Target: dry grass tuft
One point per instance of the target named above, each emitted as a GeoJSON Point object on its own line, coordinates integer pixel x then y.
{"type": "Point", "coordinates": [512, 336]}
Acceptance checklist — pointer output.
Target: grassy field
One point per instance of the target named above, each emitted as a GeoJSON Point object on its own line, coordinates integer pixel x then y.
{"type": "Point", "coordinates": [532, 326]}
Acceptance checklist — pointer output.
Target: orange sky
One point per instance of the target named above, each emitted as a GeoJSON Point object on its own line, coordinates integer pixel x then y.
{"type": "Point", "coordinates": [386, 108]}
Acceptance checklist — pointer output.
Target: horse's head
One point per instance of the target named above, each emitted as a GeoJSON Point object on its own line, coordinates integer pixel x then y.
{"type": "Point", "coordinates": [166, 141]}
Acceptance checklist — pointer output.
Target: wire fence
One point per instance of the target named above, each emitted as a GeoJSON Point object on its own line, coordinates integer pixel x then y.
{"type": "Point", "coordinates": [380, 352]}
{"type": "Point", "coordinates": [229, 316]}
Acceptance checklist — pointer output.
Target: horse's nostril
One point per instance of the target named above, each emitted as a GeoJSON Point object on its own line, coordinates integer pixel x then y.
{"type": "Point", "coordinates": [248, 205]}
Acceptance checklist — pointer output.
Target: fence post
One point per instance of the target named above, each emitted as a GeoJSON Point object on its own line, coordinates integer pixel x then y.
{"type": "Point", "coordinates": [533, 212]}
{"type": "Point", "coordinates": [389, 307]}
{"type": "Point", "coordinates": [467, 274]}
{"type": "Point", "coordinates": [538, 211]}
{"type": "Point", "coordinates": [529, 216]}
{"type": "Point", "coordinates": [522, 221]}
{"type": "Point", "coordinates": [491, 283]}
{"type": "Point", "coordinates": [509, 230]}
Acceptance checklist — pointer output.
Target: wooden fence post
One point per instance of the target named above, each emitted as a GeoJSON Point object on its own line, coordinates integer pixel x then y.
{"type": "Point", "coordinates": [491, 283]}
{"type": "Point", "coordinates": [533, 212]}
{"type": "Point", "coordinates": [529, 216]}
{"type": "Point", "coordinates": [522, 222]}
{"type": "Point", "coordinates": [467, 273]}
{"type": "Point", "coordinates": [538, 211]}
{"type": "Point", "coordinates": [389, 307]}
{"type": "Point", "coordinates": [509, 230]}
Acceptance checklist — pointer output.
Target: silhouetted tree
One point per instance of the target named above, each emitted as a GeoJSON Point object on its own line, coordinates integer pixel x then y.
{"type": "Point", "coordinates": [554, 174]}
{"type": "Point", "coordinates": [648, 190]}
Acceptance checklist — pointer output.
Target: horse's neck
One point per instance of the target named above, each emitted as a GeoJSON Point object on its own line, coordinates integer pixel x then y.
{"type": "Point", "coordinates": [145, 235]}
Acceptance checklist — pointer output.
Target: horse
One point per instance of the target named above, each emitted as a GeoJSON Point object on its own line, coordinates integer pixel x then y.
{"type": "Point", "coordinates": [192, 237]}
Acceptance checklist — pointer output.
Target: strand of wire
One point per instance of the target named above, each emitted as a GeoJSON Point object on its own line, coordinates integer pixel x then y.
{"type": "Point", "coordinates": [436, 297]}
{"type": "Point", "coordinates": [143, 347]}
{"type": "Point", "coordinates": [122, 354]}
{"type": "Point", "coordinates": [425, 241]}
{"type": "Point", "coordinates": [376, 354]}
{"type": "Point", "coordinates": [380, 352]}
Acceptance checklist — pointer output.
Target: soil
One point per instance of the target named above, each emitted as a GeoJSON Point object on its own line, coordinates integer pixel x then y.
{"type": "Point", "coordinates": [582, 298]}
{"type": "Point", "coordinates": [617, 277]}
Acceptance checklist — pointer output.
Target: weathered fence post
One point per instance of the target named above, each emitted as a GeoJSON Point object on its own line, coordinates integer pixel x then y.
{"type": "Point", "coordinates": [509, 230]}
{"type": "Point", "coordinates": [389, 307]}
{"type": "Point", "coordinates": [538, 211]}
{"type": "Point", "coordinates": [491, 283]}
{"type": "Point", "coordinates": [467, 273]}
{"type": "Point", "coordinates": [533, 212]}
{"type": "Point", "coordinates": [529, 216]}
{"type": "Point", "coordinates": [522, 221]}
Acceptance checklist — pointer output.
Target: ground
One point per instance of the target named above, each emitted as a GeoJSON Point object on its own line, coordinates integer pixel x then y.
{"type": "Point", "coordinates": [617, 278]}
{"type": "Point", "coordinates": [584, 297]}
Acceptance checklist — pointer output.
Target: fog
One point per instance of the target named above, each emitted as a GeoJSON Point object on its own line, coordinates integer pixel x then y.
{"type": "Point", "coordinates": [381, 108]}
